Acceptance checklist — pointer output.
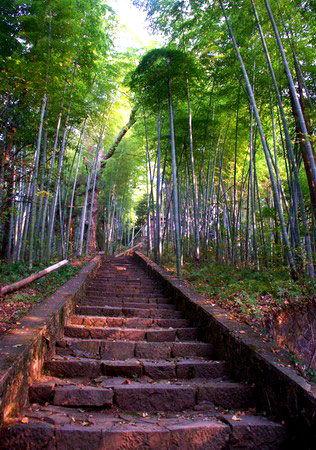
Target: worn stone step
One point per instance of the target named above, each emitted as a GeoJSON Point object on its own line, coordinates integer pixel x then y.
{"type": "Point", "coordinates": [125, 289]}
{"type": "Point", "coordinates": [119, 261]}
{"type": "Point", "coordinates": [131, 282]}
{"type": "Point", "coordinates": [181, 368]}
{"type": "Point", "coordinates": [129, 322]}
{"type": "Point", "coordinates": [137, 274]}
{"type": "Point", "coordinates": [127, 293]}
{"type": "Point", "coordinates": [103, 349]}
{"type": "Point", "coordinates": [127, 272]}
{"type": "Point", "coordinates": [71, 395]}
{"type": "Point", "coordinates": [131, 270]}
{"type": "Point", "coordinates": [115, 279]}
{"type": "Point", "coordinates": [60, 428]}
{"type": "Point", "coordinates": [128, 283]}
{"type": "Point", "coordinates": [54, 427]}
{"type": "Point", "coordinates": [134, 272]}
{"type": "Point", "coordinates": [131, 395]}
{"type": "Point", "coordinates": [99, 283]}
{"type": "Point", "coordinates": [127, 312]}
{"type": "Point", "coordinates": [123, 284]}
{"type": "Point", "coordinates": [127, 303]}
{"type": "Point", "coordinates": [132, 334]}
{"type": "Point", "coordinates": [122, 287]}
{"type": "Point", "coordinates": [168, 397]}
{"type": "Point", "coordinates": [143, 299]}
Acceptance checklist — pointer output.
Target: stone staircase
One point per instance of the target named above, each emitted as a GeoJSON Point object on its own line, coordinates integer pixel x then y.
{"type": "Point", "coordinates": [132, 373]}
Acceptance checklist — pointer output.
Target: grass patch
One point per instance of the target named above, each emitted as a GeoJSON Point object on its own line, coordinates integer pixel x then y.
{"type": "Point", "coordinates": [246, 291]}
{"type": "Point", "coordinates": [15, 305]}
{"type": "Point", "coordinates": [40, 289]}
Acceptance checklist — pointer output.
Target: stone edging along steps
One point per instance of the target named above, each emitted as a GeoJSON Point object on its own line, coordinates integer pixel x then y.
{"type": "Point", "coordinates": [23, 350]}
{"type": "Point", "coordinates": [280, 391]}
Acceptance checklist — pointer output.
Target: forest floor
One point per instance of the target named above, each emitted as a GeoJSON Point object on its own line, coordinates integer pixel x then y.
{"type": "Point", "coordinates": [14, 306]}
{"type": "Point", "coordinates": [251, 296]}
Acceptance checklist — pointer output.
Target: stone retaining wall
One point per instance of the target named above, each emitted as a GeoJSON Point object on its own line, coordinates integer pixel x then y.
{"type": "Point", "coordinates": [281, 393]}
{"type": "Point", "coordinates": [24, 349]}
{"type": "Point", "coordinates": [294, 329]}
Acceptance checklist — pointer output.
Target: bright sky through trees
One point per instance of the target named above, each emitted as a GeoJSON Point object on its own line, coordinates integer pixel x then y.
{"type": "Point", "coordinates": [133, 31]}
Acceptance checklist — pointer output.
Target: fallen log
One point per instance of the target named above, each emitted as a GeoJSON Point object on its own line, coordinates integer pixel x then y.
{"type": "Point", "coordinates": [35, 276]}
{"type": "Point", "coordinates": [129, 251]}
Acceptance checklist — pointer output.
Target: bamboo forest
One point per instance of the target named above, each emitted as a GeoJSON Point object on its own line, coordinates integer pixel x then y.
{"type": "Point", "coordinates": [179, 132]}
{"type": "Point", "coordinates": [220, 159]}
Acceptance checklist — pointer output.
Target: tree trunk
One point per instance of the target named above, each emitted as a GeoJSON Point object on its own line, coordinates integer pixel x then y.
{"type": "Point", "coordinates": [265, 146]}
{"type": "Point", "coordinates": [49, 188]}
{"type": "Point", "coordinates": [57, 191]}
{"type": "Point", "coordinates": [175, 184]}
{"type": "Point", "coordinates": [289, 146]}
{"type": "Point", "coordinates": [91, 242]}
{"type": "Point", "coordinates": [34, 187]}
{"type": "Point", "coordinates": [307, 149]}
{"type": "Point", "coordinates": [158, 193]}
{"type": "Point", "coordinates": [83, 216]}
{"type": "Point", "coordinates": [195, 193]}
{"type": "Point", "coordinates": [74, 187]}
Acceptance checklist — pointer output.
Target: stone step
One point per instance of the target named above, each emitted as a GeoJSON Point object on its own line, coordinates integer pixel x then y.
{"type": "Point", "coordinates": [137, 274]}
{"type": "Point", "coordinates": [103, 349]}
{"type": "Point", "coordinates": [119, 261]}
{"type": "Point", "coordinates": [97, 285]}
{"type": "Point", "coordinates": [127, 293]}
{"type": "Point", "coordinates": [129, 322]}
{"type": "Point", "coordinates": [142, 299]}
{"type": "Point", "coordinates": [122, 281]}
{"type": "Point", "coordinates": [127, 272]}
{"type": "Point", "coordinates": [127, 303]}
{"type": "Point", "coordinates": [128, 283]}
{"type": "Point", "coordinates": [178, 369]}
{"type": "Point", "coordinates": [127, 312]}
{"type": "Point", "coordinates": [54, 427]}
{"type": "Point", "coordinates": [137, 282]}
{"type": "Point", "coordinates": [130, 395]}
{"type": "Point", "coordinates": [132, 334]}
{"type": "Point", "coordinates": [112, 269]}
{"type": "Point", "coordinates": [124, 287]}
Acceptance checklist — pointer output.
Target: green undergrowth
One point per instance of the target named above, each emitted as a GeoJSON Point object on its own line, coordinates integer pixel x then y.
{"type": "Point", "coordinates": [247, 291]}
{"type": "Point", "coordinates": [38, 290]}
{"type": "Point", "coordinates": [250, 296]}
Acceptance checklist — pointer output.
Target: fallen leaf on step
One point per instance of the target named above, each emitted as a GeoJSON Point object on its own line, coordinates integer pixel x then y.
{"type": "Point", "coordinates": [236, 418]}
{"type": "Point", "coordinates": [86, 423]}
